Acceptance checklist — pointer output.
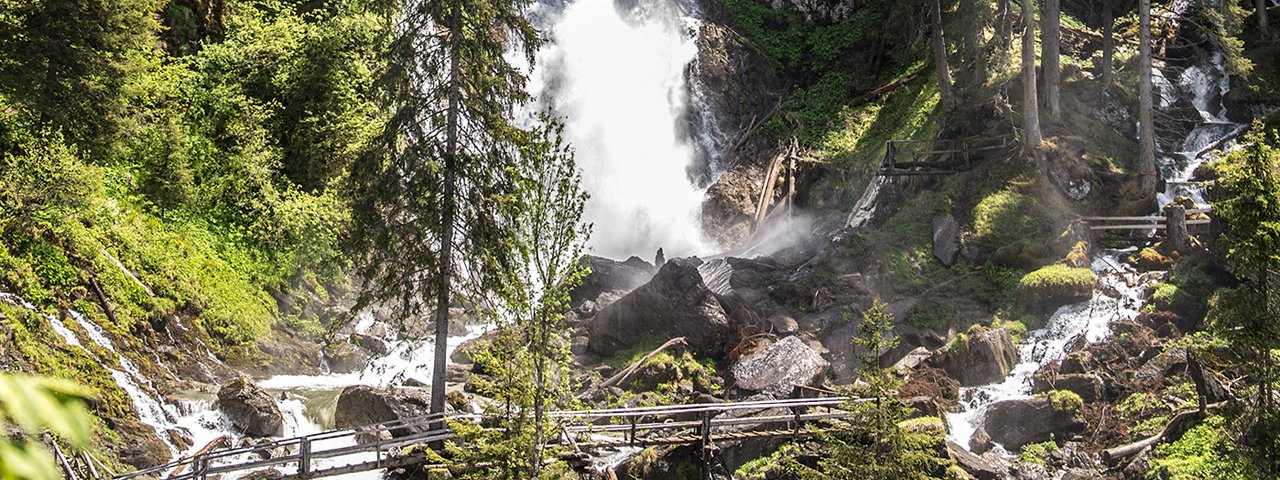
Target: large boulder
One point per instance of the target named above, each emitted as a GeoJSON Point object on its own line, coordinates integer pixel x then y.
{"type": "Point", "coordinates": [250, 408]}
{"type": "Point", "coordinates": [981, 356]}
{"type": "Point", "coordinates": [610, 276]}
{"type": "Point", "coordinates": [946, 239]}
{"type": "Point", "coordinates": [1016, 423]}
{"type": "Point", "coordinates": [777, 368]}
{"type": "Point", "coordinates": [675, 303]}
{"type": "Point", "coordinates": [1089, 386]}
{"type": "Point", "coordinates": [362, 405]}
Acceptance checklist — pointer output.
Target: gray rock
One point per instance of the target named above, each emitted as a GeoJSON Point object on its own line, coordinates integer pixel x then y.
{"type": "Point", "coordinates": [946, 239]}
{"type": "Point", "coordinates": [988, 355]}
{"type": "Point", "coordinates": [675, 303]}
{"type": "Point", "coordinates": [345, 358]}
{"type": "Point", "coordinates": [1090, 387]}
{"type": "Point", "coordinates": [980, 468]}
{"type": "Point", "coordinates": [1016, 423]}
{"type": "Point", "coordinates": [362, 405]}
{"type": "Point", "coordinates": [609, 276]}
{"type": "Point", "coordinates": [371, 343]}
{"type": "Point", "coordinates": [783, 324]}
{"type": "Point", "coordinates": [579, 345]}
{"type": "Point", "coordinates": [777, 368]}
{"type": "Point", "coordinates": [250, 409]}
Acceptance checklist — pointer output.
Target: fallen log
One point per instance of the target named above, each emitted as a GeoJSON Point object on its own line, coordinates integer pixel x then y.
{"type": "Point", "coordinates": [626, 373]}
{"type": "Point", "coordinates": [1176, 425]}
{"type": "Point", "coordinates": [215, 444]}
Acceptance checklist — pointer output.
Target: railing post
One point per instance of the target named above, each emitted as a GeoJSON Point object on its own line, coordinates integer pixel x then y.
{"type": "Point", "coordinates": [705, 430]}
{"type": "Point", "coordinates": [304, 459]}
{"type": "Point", "coordinates": [632, 440]}
{"type": "Point", "coordinates": [202, 464]}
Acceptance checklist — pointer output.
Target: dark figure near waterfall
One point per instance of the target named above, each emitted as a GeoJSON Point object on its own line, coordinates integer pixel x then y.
{"type": "Point", "coordinates": [659, 259]}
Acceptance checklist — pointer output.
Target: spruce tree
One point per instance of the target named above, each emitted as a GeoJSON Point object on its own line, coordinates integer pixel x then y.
{"type": "Point", "coordinates": [432, 197]}
{"type": "Point", "coordinates": [1146, 108]}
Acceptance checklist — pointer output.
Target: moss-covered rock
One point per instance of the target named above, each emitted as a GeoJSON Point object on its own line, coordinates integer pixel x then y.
{"type": "Point", "coordinates": [1149, 259]}
{"type": "Point", "coordinates": [1048, 288]}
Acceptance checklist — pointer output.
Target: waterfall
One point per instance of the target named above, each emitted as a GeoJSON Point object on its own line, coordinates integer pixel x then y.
{"type": "Point", "coordinates": [615, 72]}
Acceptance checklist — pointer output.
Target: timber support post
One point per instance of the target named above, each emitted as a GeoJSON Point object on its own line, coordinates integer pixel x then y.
{"type": "Point", "coordinates": [707, 447]}
{"type": "Point", "coordinates": [1176, 228]}
{"type": "Point", "coordinates": [304, 459]}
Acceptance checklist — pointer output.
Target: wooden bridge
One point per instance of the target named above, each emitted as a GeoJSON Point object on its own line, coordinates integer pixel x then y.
{"type": "Point", "coordinates": [382, 445]}
{"type": "Point", "coordinates": [938, 157]}
{"type": "Point", "coordinates": [1173, 225]}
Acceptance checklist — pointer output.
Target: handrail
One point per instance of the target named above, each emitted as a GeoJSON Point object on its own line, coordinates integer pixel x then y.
{"type": "Point", "coordinates": [201, 466]}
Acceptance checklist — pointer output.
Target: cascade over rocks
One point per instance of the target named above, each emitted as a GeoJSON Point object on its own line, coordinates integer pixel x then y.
{"type": "Point", "coordinates": [251, 409]}
{"type": "Point", "coordinates": [675, 303]}
{"type": "Point", "coordinates": [777, 368]}
{"type": "Point", "coordinates": [362, 405]}
{"type": "Point", "coordinates": [984, 356]}
{"type": "Point", "coordinates": [1016, 423]}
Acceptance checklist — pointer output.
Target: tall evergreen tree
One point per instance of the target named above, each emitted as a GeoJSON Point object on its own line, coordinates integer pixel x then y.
{"type": "Point", "coordinates": [1146, 107]}
{"type": "Point", "coordinates": [431, 201]}
{"type": "Point", "coordinates": [1260, 7]}
{"type": "Point", "coordinates": [1108, 42]}
{"type": "Point", "coordinates": [939, 44]}
{"type": "Point", "coordinates": [68, 60]}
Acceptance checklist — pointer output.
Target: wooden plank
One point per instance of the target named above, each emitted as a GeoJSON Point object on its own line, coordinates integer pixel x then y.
{"type": "Point", "coordinates": [1122, 219]}
{"type": "Point", "coordinates": [1158, 226]}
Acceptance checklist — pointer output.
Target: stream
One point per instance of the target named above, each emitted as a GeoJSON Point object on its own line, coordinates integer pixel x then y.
{"type": "Point", "coordinates": [1120, 292]}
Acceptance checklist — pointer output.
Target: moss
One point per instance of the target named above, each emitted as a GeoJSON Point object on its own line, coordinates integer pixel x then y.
{"type": "Point", "coordinates": [1017, 329]}
{"type": "Point", "coordinates": [1204, 452]}
{"type": "Point", "coordinates": [1064, 401]}
{"type": "Point", "coordinates": [1079, 255]}
{"type": "Point", "coordinates": [1056, 285]}
{"type": "Point", "coordinates": [1035, 453]}
{"type": "Point", "coordinates": [1005, 217]}
{"type": "Point", "coordinates": [1149, 259]}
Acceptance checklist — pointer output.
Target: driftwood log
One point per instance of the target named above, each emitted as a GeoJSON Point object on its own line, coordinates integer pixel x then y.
{"type": "Point", "coordinates": [1178, 425]}
{"type": "Point", "coordinates": [626, 373]}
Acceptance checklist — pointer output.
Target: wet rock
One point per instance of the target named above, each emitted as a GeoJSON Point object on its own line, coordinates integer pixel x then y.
{"type": "Point", "coordinates": [822, 300]}
{"type": "Point", "coordinates": [983, 356]}
{"type": "Point", "coordinates": [777, 368]}
{"type": "Point", "coordinates": [609, 276]}
{"type": "Point", "coordinates": [250, 409]}
{"type": "Point", "coordinates": [783, 324]}
{"type": "Point", "coordinates": [979, 467]}
{"type": "Point", "coordinates": [1016, 423]}
{"type": "Point", "coordinates": [675, 303]}
{"type": "Point", "coordinates": [139, 446]}
{"type": "Point", "coordinates": [1079, 361]}
{"type": "Point", "coordinates": [946, 239]}
{"type": "Point", "coordinates": [1152, 372]}
{"type": "Point", "coordinates": [371, 343]}
{"type": "Point", "coordinates": [1090, 387]}
{"type": "Point", "coordinates": [980, 442]}
{"type": "Point", "coordinates": [343, 357]}
{"type": "Point", "coordinates": [362, 405]}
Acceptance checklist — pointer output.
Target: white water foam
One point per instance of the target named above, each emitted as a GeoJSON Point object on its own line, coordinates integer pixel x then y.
{"type": "Point", "coordinates": [616, 72]}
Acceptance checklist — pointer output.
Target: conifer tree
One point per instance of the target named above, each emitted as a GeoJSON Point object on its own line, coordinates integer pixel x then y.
{"type": "Point", "coordinates": [1146, 107]}
{"type": "Point", "coordinates": [432, 198]}
{"type": "Point", "coordinates": [1030, 99]}
{"type": "Point", "coordinates": [1049, 45]}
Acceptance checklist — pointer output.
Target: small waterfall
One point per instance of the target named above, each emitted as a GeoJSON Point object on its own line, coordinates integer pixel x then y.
{"type": "Point", "coordinates": [1119, 297]}
{"type": "Point", "coordinates": [615, 71]}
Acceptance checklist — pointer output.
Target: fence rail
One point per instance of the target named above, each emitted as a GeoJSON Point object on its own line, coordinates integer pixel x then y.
{"type": "Point", "coordinates": [937, 157]}
{"type": "Point", "coordinates": [377, 446]}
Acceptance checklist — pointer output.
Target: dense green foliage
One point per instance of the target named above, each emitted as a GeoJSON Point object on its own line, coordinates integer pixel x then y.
{"type": "Point", "coordinates": [34, 405]}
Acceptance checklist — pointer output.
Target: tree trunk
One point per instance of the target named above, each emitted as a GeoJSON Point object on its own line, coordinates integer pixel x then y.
{"type": "Point", "coordinates": [1147, 131]}
{"type": "Point", "coordinates": [447, 215]}
{"type": "Point", "coordinates": [977, 11]}
{"type": "Point", "coordinates": [940, 58]}
{"type": "Point", "coordinates": [1050, 37]}
{"type": "Point", "coordinates": [1030, 100]}
{"type": "Point", "coordinates": [1261, 7]}
{"type": "Point", "coordinates": [1108, 43]}
{"type": "Point", "coordinates": [1004, 27]}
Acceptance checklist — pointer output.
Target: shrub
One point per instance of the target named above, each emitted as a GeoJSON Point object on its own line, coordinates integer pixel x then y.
{"type": "Point", "coordinates": [1036, 452]}
{"type": "Point", "coordinates": [1056, 285]}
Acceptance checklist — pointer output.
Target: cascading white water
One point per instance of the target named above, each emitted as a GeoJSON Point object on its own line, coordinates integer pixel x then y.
{"type": "Point", "coordinates": [615, 71]}
{"type": "Point", "coordinates": [1205, 86]}
{"type": "Point", "coordinates": [1119, 297]}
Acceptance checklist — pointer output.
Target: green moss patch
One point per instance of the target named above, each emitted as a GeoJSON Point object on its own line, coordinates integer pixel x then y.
{"type": "Point", "coordinates": [1056, 285]}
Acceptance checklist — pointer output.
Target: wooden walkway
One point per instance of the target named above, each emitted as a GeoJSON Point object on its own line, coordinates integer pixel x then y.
{"type": "Point", "coordinates": [937, 157]}
{"type": "Point", "coordinates": [378, 446]}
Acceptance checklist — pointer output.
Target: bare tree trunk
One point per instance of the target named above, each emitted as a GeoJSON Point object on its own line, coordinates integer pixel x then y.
{"type": "Point", "coordinates": [940, 58]}
{"type": "Point", "coordinates": [1030, 100]}
{"type": "Point", "coordinates": [447, 216]}
{"type": "Point", "coordinates": [1261, 7]}
{"type": "Point", "coordinates": [977, 11]}
{"type": "Point", "coordinates": [1147, 131]}
{"type": "Point", "coordinates": [1108, 43]}
{"type": "Point", "coordinates": [1004, 27]}
{"type": "Point", "coordinates": [1049, 42]}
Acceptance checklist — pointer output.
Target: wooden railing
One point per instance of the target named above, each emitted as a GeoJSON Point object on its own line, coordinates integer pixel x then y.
{"type": "Point", "coordinates": [377, 446]}
{"type": "Point", "coordinates": [937, 157]}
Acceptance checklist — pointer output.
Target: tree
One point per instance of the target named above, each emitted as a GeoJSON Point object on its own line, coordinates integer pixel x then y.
{"type": "Point", "coordinates": [939, 44]}
{"type": "Point", "coordinates": [432, 195]}
{"type": "Point", "coordinates": [1108, 43]}
{"type": "Point", "coordinates": [1246, 317]}
{"type": "Point", "coordinates": [1260, 6]}
{"type": "Point", "coordinates": [1030, 100]}
{"type": "Point", "coordinates": [1050, 39]}
{"type": "Point", "coordinates": [69, 60]}
{"type": "Point", "coordinates": [877, 444]}
{"type": "Point", "coordinates": [976, 11]}
{"type": "Point", "coordinates": [1146, 125]}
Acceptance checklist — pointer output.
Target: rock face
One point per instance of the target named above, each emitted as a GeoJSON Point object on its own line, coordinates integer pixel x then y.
{"type": "Point", "coordinates": [1088, 386]}
{"type": "Point", "coordinates": [610, 276]}
{"type": "Point", "coordinates": [987, 356]}
{"type": "Point", "coordinates": [946, 239]}
{"type": "Point", "coordinates": [250, 409]}
{"type": "Point", "coordinates": [363, 405]}
{"type": "Point", "coordinates": [777, 368]}
{"type": "Point", "coordinates": [1015, 423]}
{"type": "Point", "coordinates": [676, 303]}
